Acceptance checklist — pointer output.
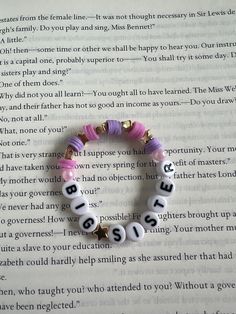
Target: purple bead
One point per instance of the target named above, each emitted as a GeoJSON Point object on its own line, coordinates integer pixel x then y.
{"type": "Point", "coordinates": [76, 143]}
{"type": "Point", "coordinates": [152, 145]}
{"type": "Point", "coordinates": [114, 127]}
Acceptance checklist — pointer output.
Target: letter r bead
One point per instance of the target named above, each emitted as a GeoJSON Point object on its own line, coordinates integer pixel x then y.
{"type": "Point", "coordinates": [166, 168]}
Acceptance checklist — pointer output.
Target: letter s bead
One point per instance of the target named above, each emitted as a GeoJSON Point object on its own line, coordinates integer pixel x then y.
{"type": "Point", "coordinates": [116, 234]}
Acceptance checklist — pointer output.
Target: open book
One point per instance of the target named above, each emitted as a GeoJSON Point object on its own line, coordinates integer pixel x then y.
{"type": "Point", "coordinates": [167, 64]}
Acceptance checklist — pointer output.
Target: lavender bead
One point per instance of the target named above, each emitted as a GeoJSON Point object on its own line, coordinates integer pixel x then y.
{"type": "Point", "coordinates": [114, 127]}
{"type": "Point", "coordinates": [152, 145]}
{"type": "Point", "coordinates": [76, 143]}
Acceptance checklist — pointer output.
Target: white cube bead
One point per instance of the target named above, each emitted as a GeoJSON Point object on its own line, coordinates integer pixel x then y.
{"type": "Point", "coordinates": [88, 222]}
{"type": "Point", "coordinates": [79, 205]}
{"type": "Point", "coordinates": [165, 187]}
{"type": "Point", "coordinates": [157, 203]}
{"type": "Point", "coordinates": [116, 234]}
{"type": "Point", "coordinates": [135, 231]}
{"type": "Point", "coordinates": [149, 220]}
{"type": "Point", "coordinates": [166, 168]}
{"type": "Point", "coordinates": [71, 189]}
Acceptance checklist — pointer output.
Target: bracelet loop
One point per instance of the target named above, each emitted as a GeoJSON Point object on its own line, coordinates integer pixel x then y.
{"type": "Point", "coordinates": [156, 203]}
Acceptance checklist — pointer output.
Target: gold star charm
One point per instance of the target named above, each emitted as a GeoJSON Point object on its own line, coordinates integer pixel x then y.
{"type": "Point", "coordinates": [147, 136]}
{"type": "Point", "coordinates": [101, 232]}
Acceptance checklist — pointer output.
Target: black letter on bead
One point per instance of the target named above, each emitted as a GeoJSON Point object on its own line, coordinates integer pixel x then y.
{"type": "Point", "coordinates": [115, 231]}
{"type": "Point", "coordinates": [80, 205]}
{"type": "Point", "coordinates": [157, 203]}
{"type": "Point", "coordinates": [167, 168]}
{"type": "Point", "coordinates": [135, 231]}
{"type": "Point", "coordinates": [71, 189]}
{"type": "Point", "coordinates": [166, 187]}
{"type": "Point", "coordinates": [88, 223]}
{"type": "Point", "coordinates": [150, 221]}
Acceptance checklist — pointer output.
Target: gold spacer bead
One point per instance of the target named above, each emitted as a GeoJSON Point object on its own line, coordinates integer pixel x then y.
{"type": "Point", "coordinates": [101, 128]}
{"type": "Point", "coordinates": [101, 232]}
{"type": "Point", "coordinates": [127, 125]}
{"type": "Point", "coordinates": [147, 136]}
{"type": "Point", "coordinates": [83, 138]}
{"type": "Point", "coordinates": [68, 152]}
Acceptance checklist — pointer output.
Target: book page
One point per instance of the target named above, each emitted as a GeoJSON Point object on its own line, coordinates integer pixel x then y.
{"type": "Point", "coordinates": [169, 65]}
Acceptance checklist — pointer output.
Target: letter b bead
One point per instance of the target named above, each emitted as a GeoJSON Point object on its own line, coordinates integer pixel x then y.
{"type": "Point", "coordinates": [166, 168]}
{"type": "Point", "coordinates": [71, 189]}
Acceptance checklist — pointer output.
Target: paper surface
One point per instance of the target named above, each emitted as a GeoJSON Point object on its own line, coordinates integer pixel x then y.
{"type": "Point", "coordinates": [168, 65]}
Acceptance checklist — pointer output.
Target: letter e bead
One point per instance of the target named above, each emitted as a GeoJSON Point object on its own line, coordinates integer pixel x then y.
{"type": "Point", "coordinates": [165, 186]}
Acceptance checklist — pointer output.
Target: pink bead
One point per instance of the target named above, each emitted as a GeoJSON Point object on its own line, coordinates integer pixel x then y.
{"type": "Point", "coordinates": [90, 132]}
{"type": "Point", "coordinates": [137, 131]}
{"type": "Point", "coordinates": [68, 174]}
{"type": "Point", "coordinates": [66, 163]}
{"type": "Point", "coordinates": [159, 154]}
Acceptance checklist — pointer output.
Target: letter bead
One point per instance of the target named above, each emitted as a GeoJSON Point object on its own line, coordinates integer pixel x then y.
{"type": "Point", "coordinates": [116, 234]}
{"type": "Point", "coordinates": [71, 189]}
{"type": "Point", "coordinates": [166, 168]}
{"type": "Point", "coordinates": [135, 231]}
{"type": "Point", "coordinates": [165, 187]}
{"type": "Point", "coordinates": [149, 220]}
{"type": "Point", "coordinates": [157, 203]}
{"type": "Point", "coordinates": [88, 222]}
{"type": "Point", "coordinates": [79, 205]}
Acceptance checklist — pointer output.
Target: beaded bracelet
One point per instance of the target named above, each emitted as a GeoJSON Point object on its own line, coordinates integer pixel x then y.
{"type": "Point", "coordinates": [88, 221]}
